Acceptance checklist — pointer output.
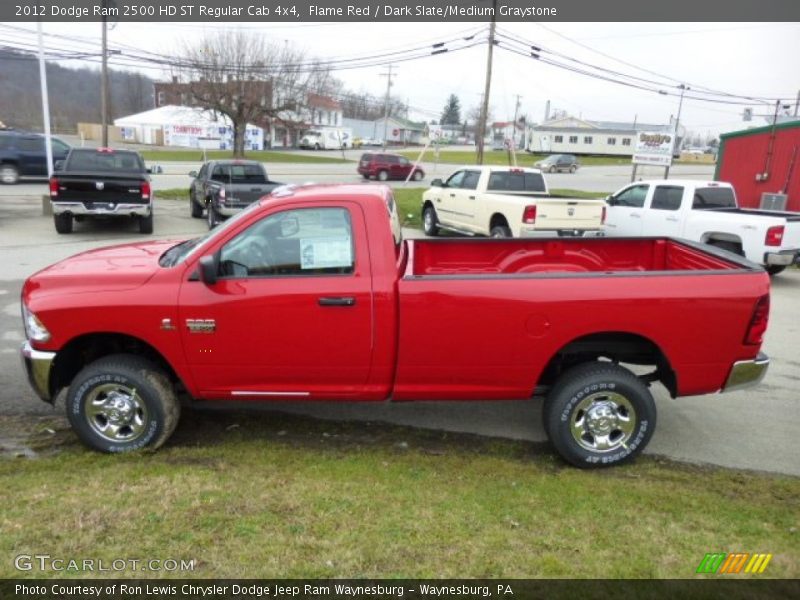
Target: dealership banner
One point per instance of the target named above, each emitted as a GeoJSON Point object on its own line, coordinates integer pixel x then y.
{"type": "Point", "coordinates": [398, 10]}
{"type": "Point", "coordinates": [653, 148]}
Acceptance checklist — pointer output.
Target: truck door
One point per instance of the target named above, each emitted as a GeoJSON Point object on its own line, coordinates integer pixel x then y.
{"type": "Point", "coordinates": [291, 313]}
{"type": "Point", "coordinates": [662, 214]}
{"type": "Point", "coordinates": [467, 201]}
{"type": "Point", "coordinates": [447, 202]}
{"type": "Point", "coordinates": [625, 211]}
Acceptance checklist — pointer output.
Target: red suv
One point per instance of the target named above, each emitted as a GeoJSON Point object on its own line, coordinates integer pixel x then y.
{"type": "Point", "coordinates": [384, 166]}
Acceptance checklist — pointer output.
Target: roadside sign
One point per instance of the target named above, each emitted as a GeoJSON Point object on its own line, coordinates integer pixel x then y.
{"type": "Point", "coordinates": [653, 148]}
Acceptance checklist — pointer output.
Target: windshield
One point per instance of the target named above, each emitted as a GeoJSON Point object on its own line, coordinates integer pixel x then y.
{"type": "Point", "coordinates": [180, 252]}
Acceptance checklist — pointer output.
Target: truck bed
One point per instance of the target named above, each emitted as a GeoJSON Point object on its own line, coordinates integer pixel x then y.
{"type": "Point", "coordinates": [563, 256]}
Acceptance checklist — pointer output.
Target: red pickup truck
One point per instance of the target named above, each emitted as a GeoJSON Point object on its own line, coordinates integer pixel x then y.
{"type": "Point", "coordinates": [312, 294]}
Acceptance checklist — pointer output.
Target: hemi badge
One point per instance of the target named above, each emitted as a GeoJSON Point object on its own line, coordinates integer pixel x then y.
{"type": "Point", "coordinates": [201, 325]}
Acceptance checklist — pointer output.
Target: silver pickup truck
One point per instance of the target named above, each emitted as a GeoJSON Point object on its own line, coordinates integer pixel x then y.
{"type": "Point", "coordinates": [224, 187]}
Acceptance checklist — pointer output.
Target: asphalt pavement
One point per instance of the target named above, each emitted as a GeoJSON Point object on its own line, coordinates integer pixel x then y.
{"type": "Point", "coordinates": [751, 429]}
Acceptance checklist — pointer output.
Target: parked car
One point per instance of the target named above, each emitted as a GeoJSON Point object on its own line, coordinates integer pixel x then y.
{"type": "Point", "coordinates": [558, 162]}
{"type": "Point", "coordinates": [505, 202]}
{"type": "Point", "coordinates": [23, 155]}
{"type": "Point", "coordinates": [314, 294]}
{"type": "Point", "coordinates": [707, 212]}
{"type": "Point", "coordinates": [383, 166]}
{"type": "Point", "coordinates": [101, 183]}
{"type": "Point", "coordinates": [224, 187]}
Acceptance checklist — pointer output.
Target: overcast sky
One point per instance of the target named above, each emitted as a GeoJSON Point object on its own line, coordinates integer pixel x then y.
{"type": "Point", "coordinates": [753, 59]}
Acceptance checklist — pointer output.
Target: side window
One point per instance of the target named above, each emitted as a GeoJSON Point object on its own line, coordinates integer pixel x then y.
{"type": "Point", "coordinates": [633, 197]}
{"type": "Point", "coordinates": [404, 161]}
{"type": "Point", "coordinates": [456, 179]}
{"type": "Point", "coordinates": [667, 197]}
{"type": "Point", "coordinates": [59, 147]}
{"type": "Point", "coordinates": [31, 144]}
{"type": "Point", "coordinates": [470, 181]}
{"type": "Point", "coordinates": [202, 174]}
{"type": "Point", "coordinates": [308, 241]}
{"type": "Point", "coordinates": [219, 174]}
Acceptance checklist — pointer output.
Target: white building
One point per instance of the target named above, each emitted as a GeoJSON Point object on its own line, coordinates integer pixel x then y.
{"type": "Point", "coordinates": [186, 127]}
{"type": "Point", "coordinates": [570, 135]}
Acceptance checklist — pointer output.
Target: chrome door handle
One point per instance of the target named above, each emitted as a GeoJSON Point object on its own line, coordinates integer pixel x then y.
{"type": "Point", "coordinates": [337, 301]}
{"type": "Point", "coordinates": [635, 216]}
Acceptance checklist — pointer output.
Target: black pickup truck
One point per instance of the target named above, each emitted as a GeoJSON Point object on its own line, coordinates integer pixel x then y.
{"type": "Point", "coordinates": [224, 187]}
{"type": "Point", "coordinates": [101, 182]}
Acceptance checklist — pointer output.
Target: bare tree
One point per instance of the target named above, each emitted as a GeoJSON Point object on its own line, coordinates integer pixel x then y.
{"type": "Point", "coordinates": [249, 79]}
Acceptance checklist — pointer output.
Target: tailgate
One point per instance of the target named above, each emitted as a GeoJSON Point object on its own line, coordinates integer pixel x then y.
{"type": "Point", "coordinates": [791, 235]}
{"type": "Point", "coordinates": [100, 188]}
{"type": "Point", "coordinates": [247, 193]}
{"type": "Point", "coordinates": [566, 213]}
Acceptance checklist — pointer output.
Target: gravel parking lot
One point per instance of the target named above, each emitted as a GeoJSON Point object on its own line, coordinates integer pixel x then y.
{"type": "Point", "coordinates": [753, 429]}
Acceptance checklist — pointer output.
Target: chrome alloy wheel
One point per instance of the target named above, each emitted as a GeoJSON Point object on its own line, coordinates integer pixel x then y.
{"type": "Point", "coordinates": [603, 422]}
{"type": "Point", "coordinates": [116, 412]}
{"type": "Point", "coordinates": [428, 218]}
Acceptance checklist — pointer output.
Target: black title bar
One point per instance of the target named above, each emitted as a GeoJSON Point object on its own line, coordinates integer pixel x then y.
{"type": "Point", "coordinates": [225, 11]}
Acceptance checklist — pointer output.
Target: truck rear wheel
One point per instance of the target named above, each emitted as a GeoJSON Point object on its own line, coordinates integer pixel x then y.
{"type": "Point", "coordinates": [122, 403]}
{"type": "Point", "coordinates": [146, 224]}
{"type": "Point", "coordinates": [9, 174]}
{"type": "Point", "coordinates": [429, 221]}
{"type": "Point", "coordinates": [599, 414]}
{"type": "Point", "coordinates": [774, 269]}
{"type": "Point", "coordinates": [500, 231]}
{"type": "Point", "coordinates": [195, 209]}
{"type": "Point", "coordinates": [63, 222]}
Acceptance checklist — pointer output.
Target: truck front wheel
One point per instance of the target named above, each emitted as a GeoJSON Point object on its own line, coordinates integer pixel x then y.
{"type": "Point", "coordinates": [599, 414]}
{"type": "Point", "coordinates": [122, 403]}
{"type": "Point", "coordinates": [429, 221]}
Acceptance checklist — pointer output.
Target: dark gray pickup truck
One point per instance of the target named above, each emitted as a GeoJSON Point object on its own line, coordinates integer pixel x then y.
{"type": "Point", "coordinates": [224, 187]}
{"type": "Point", "coordinates": [101, 182]}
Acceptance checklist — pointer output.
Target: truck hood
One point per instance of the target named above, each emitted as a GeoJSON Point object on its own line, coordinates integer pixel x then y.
{"type": "Point", "coordinates": [112, 268]}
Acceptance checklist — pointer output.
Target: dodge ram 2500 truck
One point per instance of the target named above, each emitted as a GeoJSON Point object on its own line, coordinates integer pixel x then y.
{"type": "Point", "coordinates": [505, 202]}
{"type": "Point", "coordinates": [705, 211]}
{"type": "Point", "coordinates": [312, 294]}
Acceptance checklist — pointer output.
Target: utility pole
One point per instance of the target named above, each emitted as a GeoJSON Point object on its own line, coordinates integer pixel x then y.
{"type": "Point", "coordinates": [487, 86]}
{"type": "Point", "coordinates": [512, 147]}
{"type": "Point", "coordinates": [683, 87]}
{"type": "Point", "coordinates": [104, 79]}
{"type": "Point", "coordinates": [48, 144]}
{"type": "Point", "coordinates": [386, 104]}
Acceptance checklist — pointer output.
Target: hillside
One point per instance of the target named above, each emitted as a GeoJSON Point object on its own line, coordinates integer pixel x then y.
{"type": "Point", "coordinates": [74, 93]}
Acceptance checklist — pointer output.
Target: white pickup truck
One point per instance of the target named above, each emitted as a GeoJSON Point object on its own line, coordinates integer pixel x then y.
{"type": "Point", "coordinates": [505, 202]}
{"type": "Point", "coordinates": [705, 211]}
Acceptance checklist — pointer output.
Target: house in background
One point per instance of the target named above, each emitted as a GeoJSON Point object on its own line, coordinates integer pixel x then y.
{"type": "Point", "coordinates": [571, 135]}
{"type": "Point", "coordinates": [400, 131]}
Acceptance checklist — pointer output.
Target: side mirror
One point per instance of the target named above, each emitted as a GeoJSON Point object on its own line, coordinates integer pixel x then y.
{"type": "Point", "coordinates": [611, 201]}
{"type": "Point", "coordinates": [193, 174]}
{"type": "Point", "coordinates": [208, 269]}
{"type": "Point", "coordinates": [437, 183]}
{"type": "Point", "coordinates": [58, 165]}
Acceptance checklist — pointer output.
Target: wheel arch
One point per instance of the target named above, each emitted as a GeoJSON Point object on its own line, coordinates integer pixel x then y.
{"type": "Point", "coordinates": [85, 349]}
{"type": "Point", "coordinates": [709, 237]}
{"type": "Point", "coordinates": [498, 219]}
{"type": "Point", "coordinates": [616, 346]}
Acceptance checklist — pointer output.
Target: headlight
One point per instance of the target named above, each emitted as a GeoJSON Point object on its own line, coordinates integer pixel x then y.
{"type": "Point", "coordinates": [34, 329]}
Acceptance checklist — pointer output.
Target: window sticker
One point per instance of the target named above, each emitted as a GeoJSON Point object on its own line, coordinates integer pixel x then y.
{"type": "Point", "coordinates": [327, 252]}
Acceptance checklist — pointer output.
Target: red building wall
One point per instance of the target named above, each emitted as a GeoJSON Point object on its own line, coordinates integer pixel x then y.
{"type": "Point", "coordinates": [743, 154]}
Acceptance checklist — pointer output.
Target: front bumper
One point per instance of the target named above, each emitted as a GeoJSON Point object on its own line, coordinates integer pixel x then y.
{"type": "Point", "coordinates": [747, 373]}
{"type": "Point", "coordinates": [37, 365]}
{"type": "Point", "coordinates": [102, 208]}
{"type": "Point", "coordinates": [783, 258]}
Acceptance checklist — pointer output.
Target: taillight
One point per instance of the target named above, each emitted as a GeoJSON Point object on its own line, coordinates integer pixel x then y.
{"type": "Point", "coordinates": [603, 216]}
{"type": "Point", "coordinates": [53, 187]}
{"type": "Point", "coordinates": [774, 236]}
{"type": "Point", "coordinates": [758, 324]}
{"type": "Point", "coordinates": [145, 188]}
{"type": "Point", "coordinates": [529, 216]}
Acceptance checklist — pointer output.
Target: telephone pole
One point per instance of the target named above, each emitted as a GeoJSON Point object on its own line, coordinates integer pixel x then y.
{"type": "Point", "coordinates": [386, 103]}
{"type": "Point", "coordinates": [512, 146]}
{"type": "Point", "coordinates": [487, 87]}
{"type": "Point", "coordinates": [104, 80]}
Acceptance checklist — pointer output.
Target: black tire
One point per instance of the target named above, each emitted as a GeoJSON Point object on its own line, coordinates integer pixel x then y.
{"type": "Point", "coordinates": [500, 231]}
{"type": "Point", "coordinates": [316, 146]}
{"type": "Point", "coordinates": [383, 175]}
{"type": "Point", "coordinates": [9, 174]}
{"type": "Point", "coordinates": [775, 269]}
{"type": "Point", "coordinates": [729, 246]}
{"type": "Point", "coordinates": [195, 209]}
{"type": "Point", "coordinates": [552, 169]}
{"type": "Point", "coordinates": [145, 409]}
{"type": "Point", "coordinates": [365, 176]}
{"type": "Point", "coordinates": [573, 168]}
{"type": "Point", "coordinates": [146, 223]}
{"type": "Point", "coordinates": [430, 221]}
{"type": "Point", "coordinates": [212, 216]}
{"type": "Point", "coordinates": [624, 415]}
{"type": "Point", "coordinates": [63, 222]}
{"type": "Point", "coordinates": [418, 175]}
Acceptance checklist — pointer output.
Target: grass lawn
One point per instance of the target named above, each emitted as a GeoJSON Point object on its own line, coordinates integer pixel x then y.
{"type": "Point", "coordinates": [267, 156]}
{"type": "Point", "coordinates": [272, 495]}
